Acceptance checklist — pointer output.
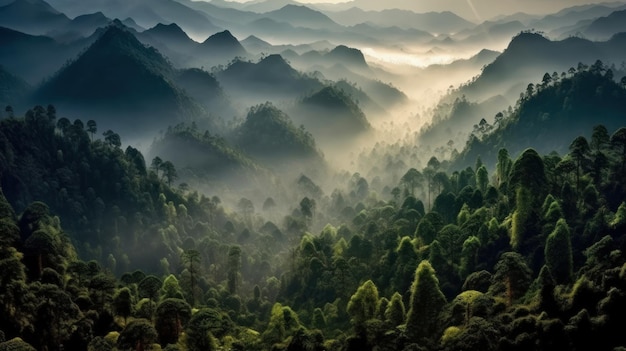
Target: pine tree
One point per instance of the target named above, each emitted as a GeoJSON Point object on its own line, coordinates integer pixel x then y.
{"type": "Point", "coordinates": [558, 253]}
{"type": "Point", "coordinates": [426, 302]}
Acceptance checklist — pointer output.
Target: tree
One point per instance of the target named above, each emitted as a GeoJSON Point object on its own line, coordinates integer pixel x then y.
{"type": "Point", "coordinates": [600, 138]}
{"type": "Point", "coordinates": [618, 141]}
{"type": "Point", "coordinates": [169, 172]}
{"type": "Point", "coordinates": [171, 317]}
{"type": "Point", "coordinates": [139, 335]}
{"type": "Point", "coordinates": [362, 305]}
{"type": "Point", "coordinates": [171, 288]}
{"type": "Point", "coordinates": [529, 171]}
{"type": "Point", "coordinates": [202, 328]}
{"type": "Point", "coordinates": [395, 312]}
{"type": "Point", "coordinates": [558, 253]}
{"type": "Point", "coordinates": [112, 138]}
{"type": "Point", "coordinates": [191, 259]}
{"type": "Point", "coordinates": [149, 288]}
{"type": "Point", "coordinates": [482, 178]}
{"type": "Point", "coordinates": [123, 303]}
{"type": "Point", "coordinates": [307, 207]}
{"type": "Point", "coordinates": [92, 128]}
{"type": "Point", "coordinates": [411, 180]}
{"type": "Point", "coordinates": [426, 302]}
{"type": "Point", "coordinates": [234, 266]}
{"type": "Point", "coordinates": [283, 323]}
{"type": "Point", "coordinates": [156, 165]}
{"type": "Point", "coordinates": [503, 167]}
{"type": "Point", "coordinates": [579, 149]}
{"type": "Point", "coordinates": [511, 278]}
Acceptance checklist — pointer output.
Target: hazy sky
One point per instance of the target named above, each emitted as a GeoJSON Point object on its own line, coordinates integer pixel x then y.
{"type": "Point", "coordinates": [475, 10]}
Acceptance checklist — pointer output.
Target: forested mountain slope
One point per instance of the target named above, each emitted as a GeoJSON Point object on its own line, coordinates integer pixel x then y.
{"type": "Point", "coordinates": [530, 257]}
{"type": "Point", "coordinates": [550, 114]}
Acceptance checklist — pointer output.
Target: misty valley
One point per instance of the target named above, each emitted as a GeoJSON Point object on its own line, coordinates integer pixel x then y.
{"type": "Point", "coordinates": [312, 176]}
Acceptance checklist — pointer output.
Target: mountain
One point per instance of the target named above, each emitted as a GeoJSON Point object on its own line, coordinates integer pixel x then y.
{"type": "Point", "coordinates": [220, 48]}
{"type": "Point", "coordinates": [432, 22]}
{"type": "Point", "coordinates": [573, 15]}
{"type": "Point", "coordinates": [32, 17]}
{"type": "Point", "coordinates": [146, 13]}
{"type": "Point", "coordinates": [302, 16]}
{"type": "Point", "coordinates": [332, 116]}
{"type": "Point", "coordinates": [171, 41]}
{"type": "Point", "coordinates": [531, 55]}
{"type": "Point", "coordinates": [605, 27]}
{"type": "Point", "coordinates": [121, 83]}
{"type": "Point", "coordinates": [269, 135]}
{"type": "Point", "coordinates": [221, 14]}
{"type": "Point", "coordinates": [204, 88]}
{"type": "Point", "coordinates": [80, 27]}
{"type": "Point", "coordinates": [205, 157]}
{"type": "Point", "coordinates": [256, 45]}
{"type": "Point", "coordinates": [547, 118]}
{"type": "Point", "coordinates": [22, 54]}
{"type": "Point", "coordinates": [271, 78]}
{"type": "Point", "coordinates": [263, 6]}
{"type": "Point", "coordinates": [348, 56]}
{"type": "Point", "coordinates": [13, 90]}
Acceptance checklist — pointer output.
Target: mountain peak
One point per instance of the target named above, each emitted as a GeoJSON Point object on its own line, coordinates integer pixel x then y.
{"type": "Point", "coordinates": [344, 53]}
{"type": "Point", "coordinates": [170, 31]}
{"type": "Point", "coordinates": [274, 60]}
{"type": "Point", "coordinates": [223, 45]}
{"type": "Point", "coordinates": [222, 37]}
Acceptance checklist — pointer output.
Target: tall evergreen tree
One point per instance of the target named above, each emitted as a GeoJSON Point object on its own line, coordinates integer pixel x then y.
{"type": "Point", "coordinates": [426, 302]}
{"type": "Point", "coordinates": [558, 253]}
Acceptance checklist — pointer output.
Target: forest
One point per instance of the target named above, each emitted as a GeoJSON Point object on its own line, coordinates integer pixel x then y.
{"type": "Point", "coordinates": [525, 255]}
{"type": "Point", "coordinates": [279, 175]}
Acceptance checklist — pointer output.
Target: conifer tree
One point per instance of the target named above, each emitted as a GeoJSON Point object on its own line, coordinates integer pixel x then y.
{"type": "Point", "coordinates": [558, 253]}
{"type": "Point", "coordinates": [426, 302]}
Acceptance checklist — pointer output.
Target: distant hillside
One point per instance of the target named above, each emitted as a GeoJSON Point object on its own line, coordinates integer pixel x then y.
{"type": "Point", "coordinates": [332, 116]}
{"type": "Point", "coordinates": [302, 16]}
{"type": "Point", "coordinates": [169, 39]}
{"type": "Point", "coordinates": [268, 134]}
{"type": "Point", "coordinates": [80, 27]}
{"type": "Point", "coordinates": [433, 22]}
{"type": "Point", "coordinates": [120, 82]}
{"type": "Point", "coordinates": [531, 55]}
{"type": "Point", "coordinates": [32, 17]}
{"type": "Point", "coordinates": [551, 115]}
{"type": "Point", "coordinates": [201, 156]}
{"type": "Point", "coordinates": [270, 78]}
{"type": "Point", "coordinates": [604, 28]}
{"type": "Point", "coordinates": [147, 13]}
{"type": "Point", "coordinates": [13, 90]}
{"type": "Point", "coordinates": [23, 54]}
{"type": "Point", "coordinates": [204, 88]}
{"type": "Point", "coordinates": [220, 48]}
{"type": "Point", "coordinates": [347, 56]}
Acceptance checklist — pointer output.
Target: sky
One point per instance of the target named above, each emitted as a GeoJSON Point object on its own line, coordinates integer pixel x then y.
{"type": "Point", "coordinates": [473, 10]}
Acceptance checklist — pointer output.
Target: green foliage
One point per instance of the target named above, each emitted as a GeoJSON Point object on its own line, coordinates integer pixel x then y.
{"type": "Point", "coordinates": [138, 334]}
{"type": "Point", "coordinates": [363, 305]}
{"type": "Point", "coordinates": [425, 304]}
{"type": "Point", "coordinates": [558, 253]}
{"type": "Point", "coordinates": [511, 278]}
{"type": "Point", "coordinates": [269, 134]}
{"type": "Point", "coordinates": [395, 312]}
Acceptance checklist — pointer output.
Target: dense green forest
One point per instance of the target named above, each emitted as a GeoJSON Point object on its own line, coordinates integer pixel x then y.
{"type": "Point", "coordinates": [527, 255]}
